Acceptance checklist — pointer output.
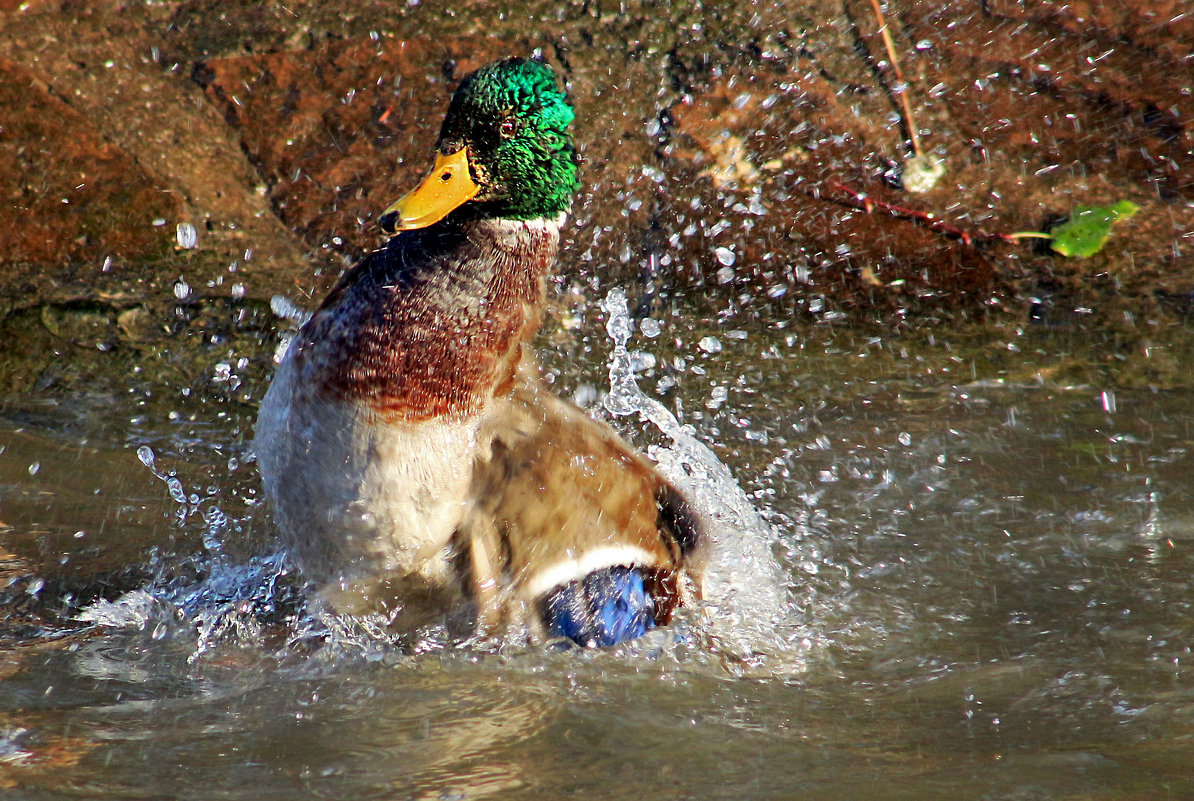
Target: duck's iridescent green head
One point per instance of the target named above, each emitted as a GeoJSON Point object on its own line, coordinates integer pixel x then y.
{"type": "Point", "coordinates": [504, 148]}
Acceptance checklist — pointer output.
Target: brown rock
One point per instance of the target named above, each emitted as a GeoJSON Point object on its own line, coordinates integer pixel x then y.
{"type": "Point", "coordinates": [1033, 114]}
{"type": "Point", "coordinates": [339, 132]}
{"type": "Point", "coordinates": [756, 128]}
{"type": "Point", "coordinates": [103, 61]}
{"type": "Point", "coordinates": [72, 198]}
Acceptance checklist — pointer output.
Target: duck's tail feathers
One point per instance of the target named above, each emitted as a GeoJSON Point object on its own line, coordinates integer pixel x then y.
{"type": "Point", "coordinates": [680, 523]}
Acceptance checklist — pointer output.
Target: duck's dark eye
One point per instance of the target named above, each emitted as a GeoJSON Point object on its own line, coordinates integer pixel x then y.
{"type": "Point", "coordinates": [508, 127]}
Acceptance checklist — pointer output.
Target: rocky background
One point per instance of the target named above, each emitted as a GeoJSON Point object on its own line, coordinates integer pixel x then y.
{"type": "Point", "coordinates": [727, 148]}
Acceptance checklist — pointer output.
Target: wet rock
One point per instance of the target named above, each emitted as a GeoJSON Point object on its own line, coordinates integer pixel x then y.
{"type": "Point", "coordinates": [769, 131]}
{"type": "Point", "coordinates": [331, 169]}
{"type": "Point", "coordinates": [72, 196]}
{"type": "Point", "coordinates": [98, 68]}
{"type": "Point", "coordinates": [779, 162]}
{"type": "Point", "coordinates": [339, 132]}
{"type": "Point", "coordinates": [1030, 122]}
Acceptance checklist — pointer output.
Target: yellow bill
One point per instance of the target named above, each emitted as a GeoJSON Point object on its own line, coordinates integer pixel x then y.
{"type": "Point", "coordinates": [448, 187]}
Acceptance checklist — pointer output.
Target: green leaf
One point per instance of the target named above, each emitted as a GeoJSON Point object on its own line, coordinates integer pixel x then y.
{"type": "Point", "coordinates": [1085, 233]}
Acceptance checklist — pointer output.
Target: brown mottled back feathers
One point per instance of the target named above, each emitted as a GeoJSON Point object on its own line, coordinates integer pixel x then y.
{"type": "Point", "coordinates": [558, 488]}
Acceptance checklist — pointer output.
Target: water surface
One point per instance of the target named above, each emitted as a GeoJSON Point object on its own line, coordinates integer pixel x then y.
{"type": "Point", "coordinates": [988, 572]}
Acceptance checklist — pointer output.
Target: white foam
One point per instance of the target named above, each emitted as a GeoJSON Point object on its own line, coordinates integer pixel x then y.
{"type": "Point", "coordinates": [130, 611]}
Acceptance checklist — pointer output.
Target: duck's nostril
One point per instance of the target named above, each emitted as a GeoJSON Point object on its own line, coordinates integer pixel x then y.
{"type": "Point", "coordinates": [387, 221]}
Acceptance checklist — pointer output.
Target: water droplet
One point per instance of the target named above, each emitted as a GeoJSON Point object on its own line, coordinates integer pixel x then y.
{"type": "Point", "coordinates": [145, 454]}
{"type": "Point", "coordinates": [905, 438]}
{"type": "Point", "coordinates": [653, 173]}
{"type": "Point", "coordinates": [641, 361]}
{"type": "Point", "coordinates": [33, 468]}
{"type": "Point", "coordinates": [182, 290]}
{"type": "Point", "coordinates": [619, 329]}
{"type": "Point", "coordinates": [710, 344]}
{"type": "Point", "coordinates": [725, 256]}
{"type": "Point", "coordinates": [188, 237]}
{"type": "Point", "coordinates": [176, 491]}
{"type": "Point", "coordinates": [717, 397]}
{"type": "Point", "coordinates": [286, 310]}
{"type": "Point", "coordinates": [650, 327]}
{"type": "Point", "coordinates": [585, 395]}
{"type": "Point", "coordinates": [238, 291]}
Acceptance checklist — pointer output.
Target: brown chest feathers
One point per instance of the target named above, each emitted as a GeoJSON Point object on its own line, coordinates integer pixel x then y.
{"type": "Point", "coordinates": [434, 323]}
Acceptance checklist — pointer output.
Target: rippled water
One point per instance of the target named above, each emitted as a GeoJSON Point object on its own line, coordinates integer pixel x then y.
{"type": "Point", "coordinates": [988, 573]}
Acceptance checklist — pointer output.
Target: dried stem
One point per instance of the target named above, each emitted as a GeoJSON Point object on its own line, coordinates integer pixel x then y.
{"type": "Point", "coordinates": [861, 201]}
{"type": "Point", "coordinates": [901, 88]}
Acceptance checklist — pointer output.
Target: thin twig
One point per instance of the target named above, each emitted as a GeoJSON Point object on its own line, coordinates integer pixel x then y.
{"type": "Point", "coordinates": [901, 88]}
{"type": "Point", "coordinates": [861, 201]}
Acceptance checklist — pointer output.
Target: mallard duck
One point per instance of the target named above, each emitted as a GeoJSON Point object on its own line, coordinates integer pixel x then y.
{"type": "Point", "coordinates": [416, 462]}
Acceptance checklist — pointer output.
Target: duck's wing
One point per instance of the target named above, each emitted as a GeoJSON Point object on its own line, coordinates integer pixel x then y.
{"type": "Point", "coordinates": [563, 513]}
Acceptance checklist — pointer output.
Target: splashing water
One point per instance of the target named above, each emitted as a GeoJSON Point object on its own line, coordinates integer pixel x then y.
{"type": "Point", "coordinates": [745, 610]}
{"type": "Point", "coordinates": [285, 309]}
{"type": "Point", "coordinates": [224, 601]}
{"type": "Point", "coordinates": [230, 602]}
{"type": "Point", "coordinates": [132, 610]}
{"type": "Point", "coordinates": [214, 518]}
{"type": "Point", "coordinates": [744, 598]}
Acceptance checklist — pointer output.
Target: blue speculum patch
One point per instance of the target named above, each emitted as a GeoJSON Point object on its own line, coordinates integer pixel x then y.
{"type": "Point", "coordinates": [604, 608]}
